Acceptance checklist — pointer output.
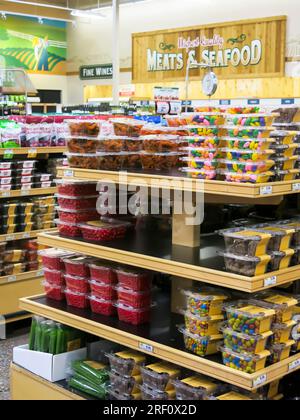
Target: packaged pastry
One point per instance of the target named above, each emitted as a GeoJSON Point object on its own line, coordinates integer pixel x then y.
{"type": "Point", "coordinates": [281, 259]}
{"type": "Point", "coordinates": [102, 306]}
{"type": "Point", "coordinates": [102, 290]}
{"type": "Point", "coordinates": [258, 145]}
{"type": "Point", "coordinates": [244, 343]}
{"type": "Point", "coordinates": [76, 299]}
{"type": "Point", "coordinates": [282, 304]}
{"type": "Point", "coordinates": [131, 315]}
{"type": "Point", "coordinates": [160, 375]}
{"type": "Point", "coordinates": [246, 266]}
{"type": "Point", "coordinates": [193, 388]}
{"type": "Point", "coordinates": [249, 167]}
{"type": "Point", "coordinates": [282, 332]}
{"type": "Point", "coordinates": [54, 292]}
{"type": "Point", "coordinates": [124, 384]}
{"type": "Point", "coordinates": [84, 161]}
{"type": "Point", "coordinates": [84, 127]}
{"type": "Point", "coordinates": [149, 394]}
{"type": "Point", "coordinates": [207, 302]}
{"type": "Point", "coordinates": [126, 127]}
{"type": "Point", "coordinates": [76, 188]}
{"type": "Point", "coordinates": [14, 269]}
{"type": "Point", "coordinates": [77, 284]}
{"type": "Point", "coordinates": [200, 173]}
{"type": "Point", "coordinates": [127, 362]}
{"type": "Point", "coordinates": [280, 352]}
{"type": "Point", "coordinates": [54, 277]}
{"type": "Point", "coordinates": [246, 242]}
{"type": "Point", "coordinates": [202, 326]}
{"type": "Point", "coordinates": [14, 256]}
{"type": "Point", "coordinates": [160, 161]}
{"type": "Point", "coordinates": [202, 346]}
{"type": "Point", "coordinates": [77, 203]}
{"type": "Point", "coordinates": [98, 231]}
{"type": "Point", "coordinates": [103, 272]}
{"type": "Point", "coordinates": [244, 362]}
{"type": "Point", "coordinates": [68, 230]}
{"type": "Point", "coordinates": [77, 266]}
{"type": "Point", "coordinates": [249, 318]}
{"type": "Point", "coordinates": [281, 237]}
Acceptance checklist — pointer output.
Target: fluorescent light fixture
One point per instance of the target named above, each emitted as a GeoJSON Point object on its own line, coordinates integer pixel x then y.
{"type": "Point", "coordinates": [123, 3]}
{"type": "Point", "coordinates": [87, 14]}
{"type": "Point", "coordinates": [33, 3]}
{"type": "Point", "coordinates": [34, 16]}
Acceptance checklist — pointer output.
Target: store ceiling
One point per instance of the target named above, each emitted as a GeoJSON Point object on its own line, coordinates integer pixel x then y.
{"type": "Point", "coordinates": [76, 4]}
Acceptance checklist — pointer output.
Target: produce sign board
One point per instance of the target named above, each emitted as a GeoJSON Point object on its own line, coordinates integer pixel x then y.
{"type": "Point", "coordinates": [243, 49]}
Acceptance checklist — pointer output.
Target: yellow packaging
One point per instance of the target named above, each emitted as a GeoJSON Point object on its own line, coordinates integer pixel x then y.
{"type": "Point", "coordinates": [233, 396]}
{"type": "Point", "coordinates": [283, 306]}
{"type": "Point", "coordinates": [153, 375]}
{"type": "Point", "coordinates": [282, 332]}
{"type": "Point", "coordinates": [261, 248]}
{"type": "Point", "coordinates": [262, 265]}
{"type": "Point", "coordinates": [139, 359]}
{"type": "Point", "coordinates": [200, 382]}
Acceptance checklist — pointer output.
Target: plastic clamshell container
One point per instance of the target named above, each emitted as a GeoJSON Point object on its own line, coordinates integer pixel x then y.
{"type": "Point", "coordinates": [77, 284]}
{"type": "Point", "coordinates": [161, 143]}
{"type": "Point", "coordinates": [84, 145]}
{"type": "Point", "coordinates": [159, 375]}
{"type": "Point", "coordinates": [244, 362]}
{"type": "Point", "coordinates": [296, 334]}
{"type": "Point", "coordinates": [102, 272]}
{"type": "Point", "coordinates": [86, 202]}
{"type": "Point", "coordinates": [284, 137]}
{"type": "Point", "coordinates": [54, 292]}
{"type": "Point", "coordinates": [89, 128]}
{"type": "Point", "coordinates": [133, 316]}
{"type": "Point", "coordinates": [115, 395]}
{"type": "Point", "coordinates": [98, 231]}
{"type": "Point", "coordinates": [200, 163]}
{"type": "Point", "coordinates": [102, 306]}
{"type": "Point", "coordinates": [76, 188]}
{"type": "Point", "coordinates": [53, 258]}
{"type": "Point", "coordinates": [208, 302]}
{"type": "Point", "coordinates": [102, 290]}
{"type": "Point", "coordinates": [77, 216]}
{"type": "Point", "coordinates": [282, 332]}
{"type": "Point", "coordinates": [230, 396]}
{"type": "Point", "coordinates": [154, 129]}
{"type": "Point", "coordinates": [285, 150]}
{"type": "Point", "coordinates": [84, 161]}
{"type": "Point", "coordinates": [77, 266]}
{"type": "Point", "coordinates": [252, 168]}
{"type": "Point", "coordinates": [54, 277]}
{"type": "Point", "coordinates": [282, 304]}
{"type": "Point", "coordinates": [160, 161]}
{"type": "Point", "coordinates": [131, 298]}
{"type": "Point", "coordinates": [285, 164]}
{"type": "Point", "coordinates": [200, 345]}
{"type": "Point", "coordinates": [258, 145]}
{"type": "Point", "coordinates": [202, 326]}
{"type": "Point", "coordinates": [290, 175]}
{"type": "Point", "coordinates": [124, 384]}
{"type": "Point", "coordinates": [249, 132]}
{"type": "Point", "coordinates": [193, 388]}
{"type": "Point", "coordinates": [14, 256]}
{"type": "Point", "coordinates": [135, 279]}
{"type": "Point", "coordinates": [246, 242]}
{"type": "Point", "coordinates": [200, 173]}
{"type": "Point", "coordinates": [255, 120]}
{"type": "Point", "coordinates": [204, 119]}
{"type": "Point", "coordinates": [76, 300]}
{"type": "Point", "coordinates": [127, 363]}
{"type": "Point", "coordinates": [295, 225]}
{"type": "Point", "coordinates": [281, 352]}
{"type": "Point", "coordinates": [126, 127]}
{"type": "Point", "coordinates": [245, 317]}
{"type": "Point", "coordinates": [246, 155]}
{"type": "Point", "coordinates": [246, 266]}
{"type": "Point", "coordinates": [202, 152]}
{"type": "Point", "coordinates": [247, 178]}
{"type": "Point", "coordinates": [68, 230]}
{"type": "Point", "coordinates": [281, 237]}
{"type": "Point", "coordinates": [244, 343]}
{"type": "Point", "coordinates": [149, 394]}
{"type": "Point", "coordinates": [202, 131]}
{"type": "Point", "coordinates": [202, 141]}
{"type": "Point", "coordinates": [281, 260]}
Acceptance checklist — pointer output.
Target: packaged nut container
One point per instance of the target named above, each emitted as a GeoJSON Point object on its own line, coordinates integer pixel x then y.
{"type": "Point", "coordinates": [124, 384]}
{"type": "Point", "coordinates": [246, 266]}
{"type": "Point", "coordinates": [281, 259]}
{"type": "Point", "coordinates": [127, 363]}
{"type": "Point", "coordinates": [280, 352]}
{"type": "Point", "coordinates": [244, 343]}
{"type": "Point", "coordinates": [248, 318]}
{"type": "Point", "coordinates": [202, 346]}
{"type": "Point", "coordinates": [90, 128]}
{"type": "Point", "coordinates": [205, 302]}
{"type": "Point", "coordinates": [282, 304]}
{"type": "Point", "coordinates": [149, 394]}
{"type": "Point", "coordinates": [281, 237]}
{"type": "Point", "coordinates": [246, 242]}
{"type": "Point", "coordinates": [244, 362]}
{"type": "Point", "coordinates": [282, 332]}
{"type": "Point", "coordinates": [160, 375]}
{"type": "Point", "coordinates": [202, 326]}
{"type": "Point", "coordinates": [193, 388]}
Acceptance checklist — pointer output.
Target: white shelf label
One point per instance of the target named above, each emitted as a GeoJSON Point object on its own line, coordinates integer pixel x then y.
{"type": "Point", "coordinates": [146, 347]}
{"type": "Point", "coordinates": [10, 237]}
{"type": "Point", "coordinates": [11, 279]}
{"type": "Point", "coordinates": [296, 187]}
{"type": "Point", "coordinates": [24, 192]}
{"type": "Point", "coordinates": [8, 153]}
{"type": "Point", "coordinates": [40, 273]}
{"type": "Point", "coordinates": [294, 365]}
{"type": "Point", "coordinates": [69, 173]}
{"type": "Point", "coordinates": [32, 153]}
{"type": "Point", "coordinates": [267, 190]}
{"type": "Point", "coordinates": [259, 381]}
{"type": "Point", "coordinates": [6, 194]}
{"type": "Point", "coordinates": [26, 235]}
{"type": "Point", "coordinates": [271, 281]}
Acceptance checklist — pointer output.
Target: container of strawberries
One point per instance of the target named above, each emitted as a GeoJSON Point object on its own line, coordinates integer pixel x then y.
{"type": "Point", "coordinates": [102, 306]}
{"type": "Point", "coordinates": [99, 231]}
{"type": "Point", "coordinates": [77, 284]}
{"type": "Point", "coordinates": [129, 297]}
{"type": "Point", "coordinates": [76, 299]}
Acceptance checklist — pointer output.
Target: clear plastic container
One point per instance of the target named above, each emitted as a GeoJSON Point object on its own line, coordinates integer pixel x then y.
{"type": "Point", "coordinates": [284, 137]}
{"type": "Point", "coordinates": [247, 178]}
{"type": "Point", "coordinates": [68, 230]}
{"type": "Point", "coordinates": [258, 145]}
{"type": "Point", "coordinates": [200, 173]}
{"type": "Point", "coordinates": [14, 269]}
{"type": "Point", "coordinates": [54, 292]}
{"type": "Point", "coordinates": [103, 272]}
{"type": "Point", "coordinates": [124, 384]}
{"type": "Point", "coordinates": [9, 209]}
{"type": "Point", "coordinates": [252, 168]}
{"type": "Point", "coordinates": [295, 225]}
{"type": "Point", "coordinates": [133, 316]}
{"type": "Point", "coordinates": [246, 266]}
{"type": "Point", "coordinates": [281, 260]}
{"type": "Point", "coordinates": [202, 141]}
{"type": "Point", "coordinates": [200, 163]}
{"type": "Point", "coordinates": [246, 242]}
{"type": "Point", "coordinates": [127, 363]}
{"type": "Point", "coordinates": [77, 266]}
{"type": "Point", "coordinates": [131, 298]}
{"type": "Point", "coordinates": [132, 160]}
{"type": "Point", "coordinates": [245, 316]}
{"type": "Point", "coordinates": [160, 161]}
{"type": "Point", "coordinates": [103, 290]}
{"type": "Point", "coordinates": [102, 306]}
{"type": "Point", "coordinates": [26, 164]}
{"type": "Point", "coordinates": [249, 132]}
{"type": "Point", "coordinates": [202, 346]}
{"type": "Point", "coordinates": [161, 143]}
{"type": "Point", "coordinates": [290, 175]}
{"type": "Point", "coordinates": [8, 229]}
{"type": "Point", "coordinates": [244, 343]}
{"type": "Point", "coordinates": [77, 203]}
{"type": "Point", "coordinates": [120, 144]}
{"type": "Point", "coordinates": [202, 131]}
{"type": "Point", "coordinates": [281, 237]}
{"type": "Point", "coordinates": [283, 305]}
{"type": "Point", "coordinates": [154, 129]}
{"type": "Point", "coordinates": [76, 300]}
{"type": "Point", "coordinates": [90, 128]}
{"type": "Point", "coordinates": [26, 218]}
{"type": "Point", "coordinates": [295, 335]}
{"type": "Point", "coordinates": [280, 352]}
{"type": "Point", "coordinates": [111, 161]}
{"type": "Point", "coordinates": [282, 332]}
{"type": "Point", "coordinates": [244, 362]}
{"type": "Point", "coordinates": [84, 161]}
{"type": "Point", "coordinates": [54, 277]}
{"type": "Point", "coordinates": [159, 375]}
{"type": "Point", "coordinates": [14, 256]}
{"type": "Point", "coordinates": [115, 395]}
{"type": "Point", "coordinates": [77, 216]}
{"type": "Point", "coordinates": [32, 255]}
{"type": "Point", "coordinates": [207, 302]}
{"type": "Point", "coordinates": [246, 155]}
{"type": "Point", "coordinates": [193, 388]}
{"type": "Point", "coordinates": [125, 127]}
{"type": "Point", "coordinates": [202, 326]}
{"type": "Point", "coordinates": [255, 120]}
{"type": "Point", "coordinates": [77, 284]}
{"type": "Point", "coordinates": [76, 188]}
{"type": "Point", "coordinates": [83, 145]}
{"type": "Point", "coordinates": [42, 177]}
{"type": "Point", "coordinates": [53, 258]}
{"type": "Point", "coordinates": [285, 150]}
{"type": "Point", "coordinates": [204, 119]}
{"type": "Point", "coordinates": [135, 279]}
{"type": "Point", "coordinates": [285, 164]}
{"type": "Point", "coordinates": [98, 231]}
{"type": "Point", "coordinates": [149, 394]}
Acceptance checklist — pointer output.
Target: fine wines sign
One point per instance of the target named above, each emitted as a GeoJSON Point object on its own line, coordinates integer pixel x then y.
{"type": "Point", "coordinates": [252, 48]}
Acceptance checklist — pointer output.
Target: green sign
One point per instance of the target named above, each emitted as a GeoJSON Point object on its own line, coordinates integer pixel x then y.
{"type": "Point", "coordinates": [102, 71]}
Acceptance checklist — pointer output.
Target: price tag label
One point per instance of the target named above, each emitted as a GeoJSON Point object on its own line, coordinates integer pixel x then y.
{"type": "Point", "coordinates": [146, 347]}
{"type": "Point", "coordinates": [294, 365]}
{"type": "Point", "coordinates": [6, 194]}
{"type": "Point", "coordinates": [296, 187]}
{"type": "Point", "coordinates": [259, 381]}
{"type": "Point", "coordinates": [10, 237]}
{"type": "Point", "coordinates": [40, 273]}
{"type": "Point", "coordinates": [26, 187]}
{"type": "Point", "coordinates": [11, 279]}
{"type": "Point", "coordinates": [26, 235]}
{"type": "Point", "coordinates": [271, 281]}
{"type": "Point", "coordinates": [32, 153]}
{"type": "Point", "coordinates": [24, 192]}
{"type": "Point", "coordinates": [8, 154]}
{"type": "Point", "coordinates": [267, 190]}
{"type": "Point", "coordinates": [69, 173]}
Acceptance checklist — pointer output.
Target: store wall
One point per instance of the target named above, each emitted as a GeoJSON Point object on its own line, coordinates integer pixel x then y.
{"type": "Point", "coordinates": [41, 81]}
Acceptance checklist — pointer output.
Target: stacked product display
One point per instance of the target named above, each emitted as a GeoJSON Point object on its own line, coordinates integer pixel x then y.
{"type": "Point", "coordinates": [19, 257]}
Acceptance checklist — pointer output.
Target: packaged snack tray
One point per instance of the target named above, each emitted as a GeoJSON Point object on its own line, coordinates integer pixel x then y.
{"type": "Point", "coordinates": [199, 141]}
{"type": "Point", "coordinates": [285, 164]}
{"type": "Point", "coordinates": [200, 173]}
{"type": "Point", "coordinates": [246, 242]}
{"type": "Point", "coordinates": [193, 388]}
{"type": "Point", "coordinates": [249, 132]}
{"type": "Point", "coordinates": [207, 302]}
{"type": "Point", "coordinates": [84, 161]}
{"type": "Point", "coordinates": [77, 216]}
{"type": "Point", "coordinates": [149, 394]}
{"type": "Point", "coordinates": [103, 272]}
{"type": "Point", "coordinates": [202, 131]}
{"type": "Point", "coordinates": [76, 188]}
{"type": "Point", "coordinates": [84, 127]}
{"type": "Point", "coordinates": [159, 375]}
{"type": "Point", "coordinates": [282, 304]}
{"type": "Point", "coordinates": [246, 266]}
{"type": "Point", "coordinates": [131, 298]}
{"type": "Point", "coordinates": [76, 300]}
{"type": "Point", "coordinates": [133, 316]}
{"type": "Point", "coordinates": [202, 326]}
{"type": "Point", "coordinates": [160, 161]}
{"type": "Point", "coordinates": [126, 127]}
{"type": "Point", "coordinates": [124, 384]}
{"type": "Point", "coordinates": [244, 362]}
{"type": "Point", "coordinates": [98, 231]}
{"type": "Point", "coordinates": [244, 343]}
{"type": "Point", "coordinates": [53, 258]}
{"type": "Point", "coordinates": [135, 279]}
{"type": "Point", "coordinates": [259, 167]}
{"type": "Point", "coordinates": [246, 155]}
{"type": "Point", "coordinates": [102, 306]}
{"type": "Point", "coordinates": [102, 290]}
{"type": "Point", "coordinates": [68, 230]}
{"type": "Point", "coordinates": [248, 120]}
{"type": "Point", "coordinates": [77, 284]}
{"type": "Point", "coordinates": [282, 332]}
{"type": "Point", "coordinates": [14, 256]}
{"type": "Point", "coordinates": [290, 175]}
{"type": "Point", "coordinates": [161, 143]}
{"type": "Point", "coordinates": [54, 292]}
{"type": "Point", "coordinates": [281, 237]}
{"type": "Point", "coordinates": [77, 266]}
{"type": "Point", "coordinates": [54, 277]}
{"type": "Point", "coordinates": [85, 202]}
{"type": "Point", "coordinates": [280, 352]}
{"type": "Point", "coordinates": [154, 129]}
{"type": "Point", "coordinates": [281, 259]}
{"type": "Point", "coordinates": [202, 346]}
{"type": "Point", "coordinates": [258, 145]}
{"type": "Point", "coordinates": [127, 363]}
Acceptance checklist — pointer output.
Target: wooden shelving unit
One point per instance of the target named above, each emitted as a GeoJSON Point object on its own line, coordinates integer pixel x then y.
{"type": "Point", "coordinates": [22, 235]}
{"type": "Point", "coordinates": [33, 151]}
{"type": "Point", "coordinates": [28, 193]}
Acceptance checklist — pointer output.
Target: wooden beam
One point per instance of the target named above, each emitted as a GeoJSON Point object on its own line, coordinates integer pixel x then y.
{"type": "Point", "coordinates": [31, 10]}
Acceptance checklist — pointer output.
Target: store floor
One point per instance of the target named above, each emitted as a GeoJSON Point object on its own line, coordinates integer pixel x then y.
{"type": "Point", "coordinates": [16, 335]}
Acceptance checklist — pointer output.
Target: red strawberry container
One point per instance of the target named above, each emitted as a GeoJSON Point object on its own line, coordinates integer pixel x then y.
{"type": "Point", "coordinates": [77, 284]}
{"type": "Point", "coordinates": [137, 300]}
{"type": "Point", "coordinates": [77, 216]}
{"type": "Point", "coordinates": [33, 266]}
{"type": "Point", "coordinates": [76, 300]}
{"type": "Point", "coordinates": [54, 277]}
{"type": "Point", "coordinates": [102, 272]}
{"type": "Point", "coordinates": [78, 266]}
{"type": "Point", "coordinates": [132, 315]}
{"type": "Point", "coordinates": [76, 188]}
{"type": "Point", "coordinates": [102, 290]}
{"type": "Point", "coordinates": [85, 202]}
{"type": "Point", "coordinates": [98, 231]}
{"type": "Point", "coordinates": [69, 230]}
{"type": "Point", "coordinates": [136, 280]}
{"type": "Point", "coordinates": [53, 258]}
{"type": "Point", "coordinates": [54, 292]}
{"type": "Point", "coordinates": [102, 307]}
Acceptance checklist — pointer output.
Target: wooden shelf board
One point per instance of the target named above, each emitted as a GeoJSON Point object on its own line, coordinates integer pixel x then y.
{"type": "Point", "coordinates": [28, 193]}
{"type": "Point", "coordinates": [178, 182]}
{"type": "Point", "coordinates": [136, 338]}
{"type": "Point", "coordinates": [23, 235]}
{"type": "Point", "coordinates": [174, 260]}
{"type": "Point", "coordinates": [34, 150]}
{"type": "Point", "coordinates": [21, 277]}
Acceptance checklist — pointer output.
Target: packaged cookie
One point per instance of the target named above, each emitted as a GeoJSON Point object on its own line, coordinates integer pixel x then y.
{"type": "Point", "coordinates": [246, 266]}
{"type": "Point", "coordinates": [246, 242]}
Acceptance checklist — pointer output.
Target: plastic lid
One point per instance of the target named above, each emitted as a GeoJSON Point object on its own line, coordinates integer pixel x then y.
{"type": "Point", "coordinates": [74, 182]}
{"type": "Point", "coordinates": [249, 308]}
{"type": "Point", "coordinates": [208, 294]}
{"type": "Point", "coordinates": [71, 292]}
{"type": "Point", "coordinates": [99, 225]}
{"type": "Point", "coordinates": [73, 211]}
{"type": "Point", "coordinates": [99, 300]}
{"type": "Point", "coordinates": [195, 337]}
{"type": "Point", "coordinates": [76, 278]}
{"type": "Point", "coordinates": [121, 289]}
{"type": "Point", "coordinates": [242, 140]}
{"type": "Point", "coordinates": [54, 253]}
{"type": "Point", "coordinates": [188, 314]}
{"type": "Point", "coordinates": [130, 308]}
{"type": "Point", "coordinates": [70, 197]}
{"type": "Point", "coordinates": [246, 356]}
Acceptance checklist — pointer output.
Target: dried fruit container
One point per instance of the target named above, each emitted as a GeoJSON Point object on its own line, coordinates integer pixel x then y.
{"type": "Point", "coordinates": [159, 375]}
{"type": "Point", "coordinates": [283, 305]}
{"type": "Point", "coordinates": [84, 127]}
{"type": "Point", "coordinates": [126, 127]}
{"type": "Point", "coordinates": [285, 164]}
{"type": "Point", "coordinates": [281, 259]}
{"type": "Point", "coordinates": [14, 256]}
{"type": "Point", "coordinates": [86, 202]}
{"type": "Point", "coordinates": [77, 300]}
{"type": "Point", "coordinates": [249, 132]}
{"type": "Point", "coordinates": [252, 168]}
{"type": "Point", "coordinates": [258, 145]}
{"type": "Point", "coordinates": [102, 306]}
{"type": "Point", "coordinates": [78, 266]}
{"type": "Point", "coordinates": [246, 242]}
{"type": "Point", "coordinates": [53, 258]}
{"type": "Point", "coordinates": [103, 290]}
{"type": "Point", "coordinates": [83, 145]}
{"type": "Point", "coordinates": [208, 302]}
{"type": "Point", "coordinates": [76, 188]}
{"type": "Point", "coordinates": [246, 155]}
{"type": "Point", "coordinates": [202, 326]}
{"type": "Point", "coordinates": [193, 388]}
{"type": "Point", "coordinates": [124, 384]}
{"type": "Point", "coordinates": [133, 316]}
{"type": "Point", "coordinates": [54, 277]}
{"type": "Point", "coordinates": [281, 237]}
{"type": "Point", "coordinates": [98, 231]}
{"type": "Point", "coordinates": [127, 363]}
{"type": "Point", "coordinates": [149, 394]}
{"type": "Point", "coordinates": [202, 346]}
{"type": "Point", "coordinates": [103, 272]}
{"type": "Point", "coordinates": [246, 266]}
{"type": "Point", "coordinates": [254, 120]}
{"type": "Point", "coordinates": [131, 298]}
{"type": "Point", "coordinates": [246, 317]}
{"type": "Point", "coordinates": [282, 332]}
{"type": "Point", "coordinates": [244, 343]}
{"type": "Point", "coordinates": [68, 230]}
{"type": "Point", "coordinates": [134, 279]}
{"type": "Point", "coordinates": [176, 121]}
{"type": "Point", "coordinates": [200, 173]}
{"type": "Point", "coordinates": [161, 143]}
{"type": "Point", "coordinates": [84, 161]}
{"type": "Point", "coordinates": [244, 362]}
{"type": "Point", "coordinates": [160, 161]}
{"type": "Point", "coordinates": [132, 160]}
{"type": "Point", "coordinates": [77, 284]}
{"type": "Point", "coordinates": [280, 352]}
{"type": "Point", "coordinates": [54, 292]}
{"type": "Point", "coordinates": [154, 129]}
